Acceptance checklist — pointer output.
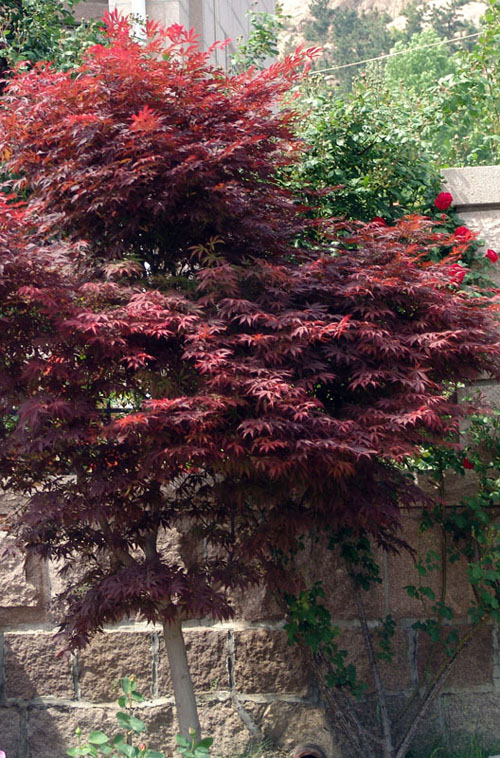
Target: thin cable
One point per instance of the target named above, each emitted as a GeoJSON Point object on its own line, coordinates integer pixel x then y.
{"type": "Point", "coordinates": [398, 52]}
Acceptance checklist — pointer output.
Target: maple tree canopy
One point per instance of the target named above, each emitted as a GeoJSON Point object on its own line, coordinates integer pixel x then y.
{"type": "Point", "coordinates": [172, 358]}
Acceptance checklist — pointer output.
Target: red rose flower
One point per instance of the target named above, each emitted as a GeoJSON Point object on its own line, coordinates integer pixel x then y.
{"type": "Point", "coordinates": [492, 255]}
{"type": "Point", "coordinates": [378, 221]}
{"type": "Point", "coordinates": [457, 273]}
{"type": "Point", "coordinates": [467, 464]}
{"type": "Point", "coordinates": [443, 201]}
{"type": "Point", "coordinates": [462, 233]}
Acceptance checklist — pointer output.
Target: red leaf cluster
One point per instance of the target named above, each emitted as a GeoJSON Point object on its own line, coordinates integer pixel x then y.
{"type": "Point", "coordinates": [188, 366]}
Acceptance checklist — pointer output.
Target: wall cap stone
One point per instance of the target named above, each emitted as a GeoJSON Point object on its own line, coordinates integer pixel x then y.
{"type": "Point", "coordinates": [474, 186]}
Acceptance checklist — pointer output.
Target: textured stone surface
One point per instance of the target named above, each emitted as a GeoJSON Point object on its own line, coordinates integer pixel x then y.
{"type": "Point", "coordinates": [256, 604]}
{"type": "Point", "coordinates": [110, 656]}
{"type": "Point", "coordinates": [264, 662]}
{"type": "Point", "coordinates": [491, 392]}
{"type": "Point", "coordinates": [402, 572]}
{"type": "Point", "coordinates": [473, 667]}
{"type": "Point", "coordinates": [457, 486]}
{"type": "Point", "coordinates": [288, 724]}
{"type": "Point", "coordinates": [10, 732]}
{"type": "Point", "coordinates": [474, 185]}
{"type": "Point", "coordinates": [476, 713]}
{"type": "Point", "coordinates": [51, 730]}
{"type": "Point", "coordinates": [207, 654]}
{"type": "Point", "coordinates": [395, 675]}
{"type": "Point", "coordinates": [19, 587]}
{"type": "Point", "coordinates": [161, 727]}
{"type": "Point", "coordinates": [317, 563]}
{"type": "Point", "coordinates": [33, 668]}
{"type": "Point", "coordinates": [221, 721]}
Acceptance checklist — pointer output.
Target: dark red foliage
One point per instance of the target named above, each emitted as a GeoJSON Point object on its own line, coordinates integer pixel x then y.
{"type": "Point", "coordinates": [149, 148]}
{"type": "Point", "coordinates": [244, 390]}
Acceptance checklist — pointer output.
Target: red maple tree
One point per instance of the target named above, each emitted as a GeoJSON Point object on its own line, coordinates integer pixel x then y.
{"type": "Point", "coordinates": [187, 365]}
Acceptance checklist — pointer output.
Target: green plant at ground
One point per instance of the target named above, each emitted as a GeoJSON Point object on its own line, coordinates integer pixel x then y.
{"type": "Point", "coordinates": [129, 741]}
{"type": "Point", "coordinates": [192, 747]}
{"type": "Point", "coordinates": [471, 747]}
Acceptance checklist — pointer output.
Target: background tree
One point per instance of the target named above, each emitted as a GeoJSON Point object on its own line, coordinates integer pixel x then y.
{"type": "Point", "coordinates": [420, 67]}
{"type": "Point", "coordinates": [318, 27]}
{"type": "Point", "coordinates": [356, 37]}
{"type": "Point", "coordinates": [446, 20]}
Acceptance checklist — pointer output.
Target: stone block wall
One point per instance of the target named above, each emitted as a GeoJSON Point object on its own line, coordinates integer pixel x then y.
{"type": "Point", "coordinates": [249, 683]}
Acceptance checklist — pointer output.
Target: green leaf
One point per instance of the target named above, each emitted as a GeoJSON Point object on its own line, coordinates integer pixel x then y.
{"type": "Point", "coordinates": [123, 719]}
{"type": "Point", "coordinates": [97, 738]}
{"type": "Point", "coordinates": [128, 750]}
{"type": "Point", "coordinates": [153, 754]}
{"type": "Point", "coordinates": [106, 749]}
{"type": "Point", "coordinates": [137, 725]}
{"type": "Point", "coordinates": [205, 743]}
{"type": "Point", "coordinates": [126, 685]}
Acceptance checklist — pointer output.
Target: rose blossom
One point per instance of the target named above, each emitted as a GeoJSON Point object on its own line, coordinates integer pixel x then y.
{"type": "Point", "coordinates": [492, 255]}
{"type": "Point", "coordinates": [467, 464]}
{"type": "Point", "coordinates": [457, 273]}
{"type": "Point", "coordinates": [461, 232]}
{"type": "Point", "coordinates": [443, 201]}
{"type": "Point", "coordinates": [378, 221]}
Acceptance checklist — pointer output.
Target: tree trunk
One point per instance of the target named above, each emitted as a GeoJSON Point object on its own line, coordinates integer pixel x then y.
{"type": "Point", "coordinates": [185, 701]}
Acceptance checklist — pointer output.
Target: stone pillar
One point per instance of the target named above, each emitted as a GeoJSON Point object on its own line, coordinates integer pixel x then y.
{"type": "Point", "coordinates": [476, 197]}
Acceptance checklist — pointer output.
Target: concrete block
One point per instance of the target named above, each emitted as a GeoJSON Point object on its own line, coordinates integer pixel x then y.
{"type": "Point", "coordinates": [471, 714]}
{"type": "Point", "coordinates": [317, 563]}
{"type": "Point", "coordinates": [22, 583]}
{"type": "Point", "coordinates": [474, 185]}
{"type": "Point", "coordinates": [109, 657]}
{"type": "Point", "coordinates": [35, 668]}
{"type": "Point", "coordinates": [256, 604]}
{"type": "Point", "coordinates": [51, 729]}
{"type": "Point", "coordinates": [10, 731]}
{"type": "Point", "coordinates": [91, 9]}
{"type": "Point", "coordinates": [264, 662]}
{"type": "Point", "coordinates": [395, 675]}
{"type": "Point", "coordinates": [289, 724]}
{"type": "Point", "coordinates": [207, 654]}
{"type": "Point", "coordinates": [402, 572]}
{"type": "Point", "coordinates": [473, 667]}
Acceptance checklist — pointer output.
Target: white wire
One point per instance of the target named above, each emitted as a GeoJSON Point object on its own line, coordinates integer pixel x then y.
{"type": "Point", "coordinates": [398, 52]}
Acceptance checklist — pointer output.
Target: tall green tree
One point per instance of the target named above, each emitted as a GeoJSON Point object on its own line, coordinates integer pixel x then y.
{"type": "Point", "coordinates": [417, 67]}
{"type": "Point", "coordinates": [318, 27]}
